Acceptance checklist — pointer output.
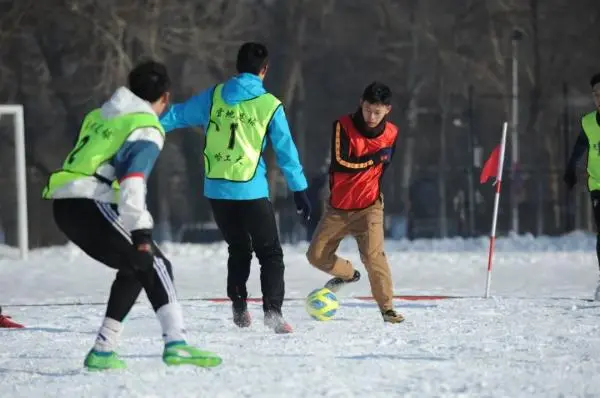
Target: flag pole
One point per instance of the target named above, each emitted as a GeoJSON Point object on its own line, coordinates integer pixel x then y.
{"type": "Point", "coordinates": [496, 204]}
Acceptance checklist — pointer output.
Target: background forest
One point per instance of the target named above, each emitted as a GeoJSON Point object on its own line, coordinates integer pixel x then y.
{"type": "Point", "coordinates": [449, 63]}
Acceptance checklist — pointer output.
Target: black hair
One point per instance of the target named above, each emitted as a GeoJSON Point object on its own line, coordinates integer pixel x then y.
{"type": "Point", "coordinates": [252, 58]}
{"type": "Point", "coordinates": [149, 80]}
{"type": "Point", "coordinates": [377, 93]}
{"type": "Point", "coordinates": [595, 80]}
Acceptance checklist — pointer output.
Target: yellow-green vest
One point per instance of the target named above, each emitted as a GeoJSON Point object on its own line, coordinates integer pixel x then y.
{"type": "Point", "coordinates": [235, 136]}
{"type": "Point", "coordinates": [592, 131]}
{"type": "Point", "coordinates": [99, 141]}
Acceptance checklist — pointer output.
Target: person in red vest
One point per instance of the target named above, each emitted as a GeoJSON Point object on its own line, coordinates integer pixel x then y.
{"type": "Point", "coordinates": [362, 147]}
{"type": "Point", "coordinates": [5, 322]}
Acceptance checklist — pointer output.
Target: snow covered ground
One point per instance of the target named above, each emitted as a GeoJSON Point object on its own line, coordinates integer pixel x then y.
{"type": "Point", "coordinates": [536, 337]}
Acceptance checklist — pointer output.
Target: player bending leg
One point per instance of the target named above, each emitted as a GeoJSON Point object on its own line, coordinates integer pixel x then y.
{"type": "Point", "coordinates": [362, 146]}
{"type": "Point", "coordinates": [99, 203]}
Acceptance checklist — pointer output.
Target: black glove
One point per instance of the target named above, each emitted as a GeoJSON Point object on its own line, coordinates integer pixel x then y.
{"type": "Point", "coordinates": [570, 178]}
{"type": "Point", "coordinates": [303, 204]}
{"type": "Point", "coordinates": [142, 253]}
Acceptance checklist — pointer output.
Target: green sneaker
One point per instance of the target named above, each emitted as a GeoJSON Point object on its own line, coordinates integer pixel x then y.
{"type": "Point", "coordinates": [97, 360]}
{"type": "Point", "coordinates": [180, 353]}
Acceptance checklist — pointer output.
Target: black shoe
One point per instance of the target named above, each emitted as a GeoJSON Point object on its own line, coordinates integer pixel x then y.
{"type": "Point", "coordinates": [335, 284]}
{"type": "Point", "coordinates": [241, 316]}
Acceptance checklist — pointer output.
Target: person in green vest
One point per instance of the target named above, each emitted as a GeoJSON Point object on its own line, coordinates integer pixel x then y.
{"type": "Point", "coordinates": [589, 141]}
{"type": "Point", "coordinates": [240, 117]}
{"type": "Point", "coordinates": [99, 203]}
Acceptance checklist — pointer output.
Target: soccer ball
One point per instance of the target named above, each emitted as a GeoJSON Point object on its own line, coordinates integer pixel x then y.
{"type": "Point", "coordinates": [322, 304]}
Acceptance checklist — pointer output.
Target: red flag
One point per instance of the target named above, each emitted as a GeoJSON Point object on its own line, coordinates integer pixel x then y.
{"type": "Point", "coordinates": [490, 168]}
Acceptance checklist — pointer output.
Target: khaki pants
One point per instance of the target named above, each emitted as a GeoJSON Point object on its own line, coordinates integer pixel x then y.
{"type": "Point", "coordinates": [367, 228]}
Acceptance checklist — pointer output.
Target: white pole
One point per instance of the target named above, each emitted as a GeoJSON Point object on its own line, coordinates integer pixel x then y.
{"type": "Point", "coordinates": [21, 172]}
{"type": "Point", "coordinates": [21, 175]}
{"type": "Point", "coordinates": [515, 126]}
{"type": "Point", "coordinates": [496, 204]}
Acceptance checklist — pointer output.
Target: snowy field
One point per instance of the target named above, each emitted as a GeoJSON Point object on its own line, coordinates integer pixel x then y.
{"type": "Point", "coordinates": [538, 336]}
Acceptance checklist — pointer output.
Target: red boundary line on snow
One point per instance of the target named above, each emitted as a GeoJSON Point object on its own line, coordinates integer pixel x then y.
{"type": "Point", "coordinates": [251, 299]}
{"type": "Point", "coordinates": [364, 298]}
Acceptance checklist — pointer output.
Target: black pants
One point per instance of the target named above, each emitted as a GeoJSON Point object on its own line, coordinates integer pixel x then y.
{"type": "Point", "coordinates": [596, 206]}
{"type": "Point", "coordinates": [249, 225]}
{"type": "Point", "coordinates": [96, 229]}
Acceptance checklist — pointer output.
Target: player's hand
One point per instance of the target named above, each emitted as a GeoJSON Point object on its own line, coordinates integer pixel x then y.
{"type": "Point", "coordinates": [303, 205]}
{"type": "Point", "coordinates": [143, 255]}
{"type": "Point", "coordinates": [570, 178]}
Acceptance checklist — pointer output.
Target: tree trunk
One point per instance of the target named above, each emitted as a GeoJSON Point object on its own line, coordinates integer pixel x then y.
{"type": "Point", "coordinates": [295, 32]}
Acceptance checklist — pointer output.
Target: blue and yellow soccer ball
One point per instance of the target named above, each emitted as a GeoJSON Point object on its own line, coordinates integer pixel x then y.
{"type": "Point", "coordinates": [322, 304]}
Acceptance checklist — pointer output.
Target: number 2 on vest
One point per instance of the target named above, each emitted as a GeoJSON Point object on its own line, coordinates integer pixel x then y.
{"type": "Point", "coordinates": [232, 129]}
{"type": "Point", "coordinates": [84, 140]}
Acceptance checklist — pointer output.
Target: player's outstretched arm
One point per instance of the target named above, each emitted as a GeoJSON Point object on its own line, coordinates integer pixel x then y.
{"type": "Point", "coordinates": [195, 112]}
{"type": "Point", "coordinates": [286, 152]}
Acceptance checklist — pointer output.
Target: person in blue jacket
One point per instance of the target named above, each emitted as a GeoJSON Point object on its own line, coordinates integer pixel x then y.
{"type": "Point", "coordinates": [240, 117]}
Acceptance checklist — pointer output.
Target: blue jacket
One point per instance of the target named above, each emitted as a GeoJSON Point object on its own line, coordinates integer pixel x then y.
{"type": "Point", "coordinates": [195, 112]}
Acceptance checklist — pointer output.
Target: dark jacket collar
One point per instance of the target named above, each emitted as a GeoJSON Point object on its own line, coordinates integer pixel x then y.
{"type": "Point", "coordinates": [361, 126]}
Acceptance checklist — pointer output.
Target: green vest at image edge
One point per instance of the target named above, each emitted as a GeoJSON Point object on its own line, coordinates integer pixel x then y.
{"type": "Point", "coordinates": [592, 131]}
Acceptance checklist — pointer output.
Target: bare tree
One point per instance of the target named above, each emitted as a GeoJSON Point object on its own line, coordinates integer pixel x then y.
{"type": "Point", "coordinates": [61, 58]}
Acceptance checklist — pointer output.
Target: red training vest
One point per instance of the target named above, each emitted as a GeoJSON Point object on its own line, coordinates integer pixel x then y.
{"type": "Point", "coordinates": [361, 189]}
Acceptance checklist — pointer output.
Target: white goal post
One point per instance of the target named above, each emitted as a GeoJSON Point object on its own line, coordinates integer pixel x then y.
{"type": "Point", "coordinates": [21, 173]}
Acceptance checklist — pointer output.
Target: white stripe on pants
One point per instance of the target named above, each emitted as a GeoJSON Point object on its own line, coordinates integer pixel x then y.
{"type": "Point", "coordinates": [159, 266]}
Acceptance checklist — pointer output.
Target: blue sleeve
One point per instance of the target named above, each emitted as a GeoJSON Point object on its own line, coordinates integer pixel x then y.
{"type": "Point", "coordinates": [286, 152]}
{"type": "Point", "coordinates": [135, 159]}
{"type": "Point", "coordinates": [195, 112]}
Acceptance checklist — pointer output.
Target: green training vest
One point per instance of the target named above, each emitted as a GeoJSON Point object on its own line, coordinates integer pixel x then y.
{"type": "Point", "coordinates": [592, 131]}
{"type": "Point", "coordinates": [235, 136]}
{"type": "Point", "coordinates": [98, 142]}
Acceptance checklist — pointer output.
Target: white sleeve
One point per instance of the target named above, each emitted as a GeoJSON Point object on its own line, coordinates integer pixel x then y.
{"type": "Point", "coordinates": [133, 164]}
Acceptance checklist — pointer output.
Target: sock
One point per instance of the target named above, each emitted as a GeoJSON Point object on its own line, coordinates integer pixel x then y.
{"type": "Point", "coordinates": [171, 321]}
{"type": "Point", "coordinates": [108, 335]}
